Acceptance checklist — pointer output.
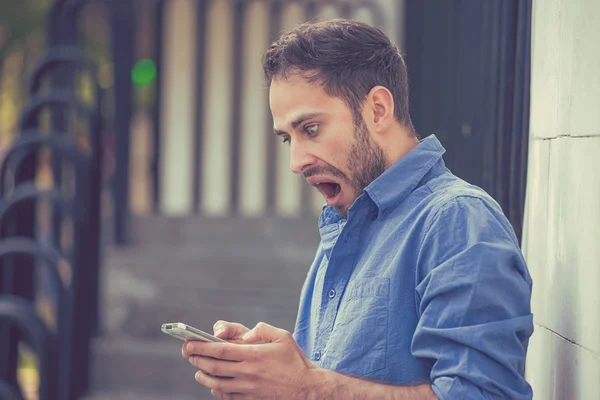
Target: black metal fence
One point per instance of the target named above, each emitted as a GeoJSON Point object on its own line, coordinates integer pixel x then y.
{"type": "Point", "coordinates": [50, 231]}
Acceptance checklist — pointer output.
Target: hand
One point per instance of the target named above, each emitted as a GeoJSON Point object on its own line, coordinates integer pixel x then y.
{"type": "Point", "coordinates": [230, 331]}
{"type": "Point", "coordinates": [276, 369]}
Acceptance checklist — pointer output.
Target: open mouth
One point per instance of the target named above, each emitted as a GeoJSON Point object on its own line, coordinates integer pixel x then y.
{"type": "Point", "coordinates": [329, 190]}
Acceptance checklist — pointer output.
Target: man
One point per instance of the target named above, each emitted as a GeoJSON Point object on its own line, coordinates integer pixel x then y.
{"type": "Point", "coordinates": [418, 289]}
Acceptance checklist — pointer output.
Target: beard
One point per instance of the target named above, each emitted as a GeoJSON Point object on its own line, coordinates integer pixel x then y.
{"type": "Point", "coordinates": [366, 159]}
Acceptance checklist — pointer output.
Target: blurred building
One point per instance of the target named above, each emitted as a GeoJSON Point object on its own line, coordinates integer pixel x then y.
{"type": "Point", "coordinates": [208, 186]}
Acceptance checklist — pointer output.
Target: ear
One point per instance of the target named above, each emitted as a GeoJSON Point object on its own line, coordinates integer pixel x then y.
{"type": "Point", "coordinates": [381, 104]}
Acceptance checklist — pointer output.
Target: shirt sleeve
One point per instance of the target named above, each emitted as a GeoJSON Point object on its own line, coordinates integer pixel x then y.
{"type": "Point", "coordinates": [473, 301]}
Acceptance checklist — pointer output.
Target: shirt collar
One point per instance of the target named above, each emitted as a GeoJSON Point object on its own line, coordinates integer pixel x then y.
{"type": "Point", "coordinates": [393, 186]}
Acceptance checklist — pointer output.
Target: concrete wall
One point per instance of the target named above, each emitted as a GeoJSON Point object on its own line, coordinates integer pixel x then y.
{"type": "Point", "coordinates": [562, 228]}
{"type": "Point", "coordinates": [178, 114]}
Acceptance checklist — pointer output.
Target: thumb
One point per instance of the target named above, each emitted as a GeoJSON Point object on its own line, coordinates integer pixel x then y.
{"type": "Point", "coordinates": [229, 330]}
{"type": "Point", "coordinates": [265, 333]}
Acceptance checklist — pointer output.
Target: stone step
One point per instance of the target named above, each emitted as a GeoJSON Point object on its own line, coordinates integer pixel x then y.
{"type": "Point", "coordinates": [238, 268]}
{"type": "Point", "coordinates": [136, 302]}
{"type": "Point", "coordinates": [199, 229]}
{"type": "Point", "coordinates": [128, 367]}
{"type": "Point", "coordinates": [140, 395]}
{"type": "Point", "coordinates": [142, 319]}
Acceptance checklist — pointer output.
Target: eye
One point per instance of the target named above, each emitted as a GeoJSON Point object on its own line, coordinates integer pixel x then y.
{"type": "Point", "coordinates": [286, 139]}
{"type": "Point", "coordinates": [311, 129]}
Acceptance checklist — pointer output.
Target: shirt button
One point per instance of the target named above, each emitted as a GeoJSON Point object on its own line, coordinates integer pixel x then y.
{"type": "Point", "coordinates": [317, 356]}
{"type": "Point", "coordinates": [346, 237]}
{"type": "Point", "coordinates": [332, 293]}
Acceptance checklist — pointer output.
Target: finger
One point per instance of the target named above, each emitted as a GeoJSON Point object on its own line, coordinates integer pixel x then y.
{"type": "Point", "coordinates": [229, 330]}
{"type": "Point", "coordinates": [222, 385]}
{"type": "Point", "coordinates": [184, 351]}
{"type": "Point", "coordinates": [266, 333]}
{"type": "Point", "coordinates": [228, 396]}
{"type": "Point", "coordinates": [216, 367]}
{"type": "Point", "coordinates": [222, 351]}
{"type": "Point", "coordinates": [217, 394]}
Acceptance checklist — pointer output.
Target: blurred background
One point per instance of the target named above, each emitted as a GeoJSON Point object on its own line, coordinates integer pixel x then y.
{"type": "Point", "coordinates": [141, 183]}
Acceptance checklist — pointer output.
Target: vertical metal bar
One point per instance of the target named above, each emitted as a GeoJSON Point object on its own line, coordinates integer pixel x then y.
{"type": "Point", "coordinates": [1, 77]}
{"type": "Point", "coordinates": [8, 341]}
{"type": "Point", "coordinates": [63, 78]}
{"type": "Point", "coordinates": [73, 354]}
{"type": "Point", "coordinates": [413, 48]}
{"type": "Point", "coordinates": [451, 77]}
{"type": "Point", "coordinates": [504, 49]}
{"type": "Point", "coordinates": [86, 257]}
{"type": "Point", "coordinates": [201, 38]}
{"type": "Point", "coordinates": [520, 117]}
{"type": "Point", "coordinates": [87, 251]}
{"type": "Point", "coordinates": [311, 12]}
{"type": "Point", "coordinates": [492, 97]}
{"type": "Point", "coordinates": [487, 105]}
{"type": "Point", "coordinates": [84, 290]}
{"type": "Point", "coordinates": [275, 11]}
{"type": "Point", "coordinates": [158, 9]}
{"type": "Point", "coordinates": [238, 59]}
{"type": "Point", "coordinates": [123, 48]}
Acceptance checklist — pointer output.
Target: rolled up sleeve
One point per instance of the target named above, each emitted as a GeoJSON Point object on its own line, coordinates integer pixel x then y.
{"type": "Point", "coordinates": [473, 301]}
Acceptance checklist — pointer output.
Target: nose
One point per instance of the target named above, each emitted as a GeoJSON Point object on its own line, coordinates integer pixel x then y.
{"type": "Point", "coordinates": [300, 157]}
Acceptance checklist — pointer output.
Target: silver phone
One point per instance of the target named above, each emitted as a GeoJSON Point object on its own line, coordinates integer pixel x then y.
{"type": "Point", "coordinates": [185, 332]}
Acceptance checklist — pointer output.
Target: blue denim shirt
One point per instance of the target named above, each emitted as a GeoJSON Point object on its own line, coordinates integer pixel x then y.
{"type": "Point", "coordinates": [424, 282]}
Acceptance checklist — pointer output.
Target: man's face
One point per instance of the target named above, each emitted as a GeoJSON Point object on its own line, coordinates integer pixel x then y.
{"type": "Point", "coordinates": [336, 156]}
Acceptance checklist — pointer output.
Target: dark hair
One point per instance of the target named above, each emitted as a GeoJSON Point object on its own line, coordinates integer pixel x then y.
{"type": "Point", "coordinates": [348, 58]}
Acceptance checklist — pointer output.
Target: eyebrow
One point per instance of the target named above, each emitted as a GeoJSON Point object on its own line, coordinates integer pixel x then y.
{"type": "Point", "coordinates": [297, 122]}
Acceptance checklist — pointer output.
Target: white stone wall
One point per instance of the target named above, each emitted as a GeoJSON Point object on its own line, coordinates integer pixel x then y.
{"type": "Point", "coordinates": [562, 225]}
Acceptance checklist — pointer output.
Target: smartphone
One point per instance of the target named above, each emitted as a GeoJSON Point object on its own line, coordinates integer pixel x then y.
{"type": "Point", "coordinates": [185, 332]}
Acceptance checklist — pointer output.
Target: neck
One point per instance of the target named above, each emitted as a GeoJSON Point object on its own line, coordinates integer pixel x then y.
{"type": "Point", "coordinates": [401, 143]}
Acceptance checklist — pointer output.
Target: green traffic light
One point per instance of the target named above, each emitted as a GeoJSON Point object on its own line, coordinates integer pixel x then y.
{"type": "Point", "coordinates": [143, 72]}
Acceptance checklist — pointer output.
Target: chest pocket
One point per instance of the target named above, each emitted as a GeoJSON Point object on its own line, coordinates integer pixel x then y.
{"type": "Point", "coordinates": [358, 342]}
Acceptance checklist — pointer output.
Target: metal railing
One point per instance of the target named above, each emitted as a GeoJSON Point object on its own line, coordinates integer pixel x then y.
{"type": "Point", "coordinates": [69, 252]}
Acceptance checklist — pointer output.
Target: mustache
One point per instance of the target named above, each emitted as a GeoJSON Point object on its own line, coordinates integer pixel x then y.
{"type": "Point", "coordinates": [324, 169]}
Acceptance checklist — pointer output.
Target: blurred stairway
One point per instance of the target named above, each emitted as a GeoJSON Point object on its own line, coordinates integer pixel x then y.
{"type": "Point", "coordinates": [195, 270]}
